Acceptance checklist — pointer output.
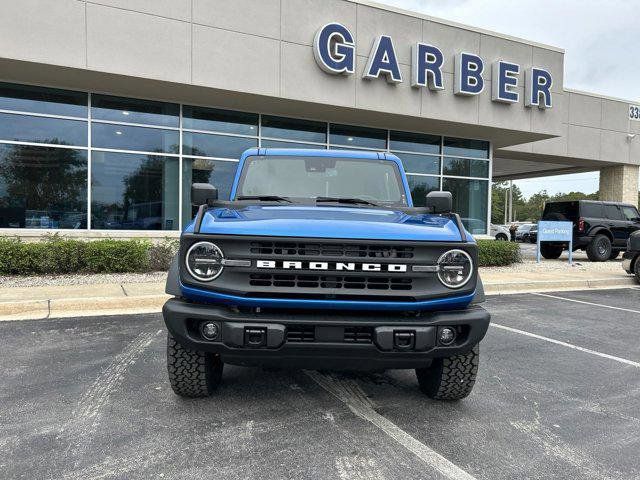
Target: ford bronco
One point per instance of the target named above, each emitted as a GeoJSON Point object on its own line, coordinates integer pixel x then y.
{"type": "Point", "coordinates": [320, 261]}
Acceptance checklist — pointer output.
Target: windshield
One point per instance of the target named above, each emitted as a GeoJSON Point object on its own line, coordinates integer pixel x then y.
{"type": "Point", "coordinates": [377, 181]}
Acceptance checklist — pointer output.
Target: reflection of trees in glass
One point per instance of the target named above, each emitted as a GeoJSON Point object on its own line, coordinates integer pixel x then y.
{"type": "Point", "coordinates": [143, 185]}
{"type": "Point", "coordinates": [456, 166]}
{"type": "Point", "coordinates": [43, 178]}
{"type": "Point", "coordinates": [419, 195]}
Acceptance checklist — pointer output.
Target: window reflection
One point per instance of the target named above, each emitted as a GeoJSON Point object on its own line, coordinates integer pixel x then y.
{"type": "Point", "coordinates": [223, 121]}
{"type": "Point", "coordinates": [420, 186]}
{"type": "Point", "coordinates": [132, 110]}
{"type": "Point", "coordinates": [466, 148]}
{"type": "Point", "coordinates": [218, 173]}
{"type": "Point", "coordinates": [348, 135]}
{"type": "Point", "coordinates": [55, 131]}
{"type": "Point", "coordinates": [414, 142]}
{"type": "Point", "coordinates": [141, 139]}
{"type": "Point", "coordinates": [221, 146]}
{"type": "Point", "coordinates": [279, 144]}
{"type": "Point", "coordinates": [420, 163]}
{"type": "Point", "coordinates": [294, 129]}
{"type": "Point", "coordinates": [469, 201]}
{"type": "Point", "coordinates": [134, 192]}
{"type": "Point", "coordinates": [42, 187]}
{"type": "Point", "coordinates": [464, 167]}
{"type": "Point", "coordinates": [49, 101]}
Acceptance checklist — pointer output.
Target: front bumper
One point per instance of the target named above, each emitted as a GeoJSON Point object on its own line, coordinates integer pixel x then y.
{"type": "Point", "coordinates": [627, 260]}
{"type": "Point", "coordinates": [352, 340]}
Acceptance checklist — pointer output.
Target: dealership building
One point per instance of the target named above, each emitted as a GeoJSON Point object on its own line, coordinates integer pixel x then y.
{"type": "Point", "coordinates": [110, 109]}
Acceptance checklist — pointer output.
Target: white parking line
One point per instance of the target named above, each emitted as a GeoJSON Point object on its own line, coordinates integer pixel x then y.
{"type": "Point", "coordinates": [569, 345]}
{"type": "Point", "coordinates": [350, 393]}
{"type": "Point", "coordinates": [586, 303]}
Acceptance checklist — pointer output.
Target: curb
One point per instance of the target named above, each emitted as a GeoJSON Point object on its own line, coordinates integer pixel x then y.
{"type": "Point", "coordinates": [139, 304]}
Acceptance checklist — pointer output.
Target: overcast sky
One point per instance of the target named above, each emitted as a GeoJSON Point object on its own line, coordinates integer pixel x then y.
{"type": "Point", "coordinates": [601, 42]}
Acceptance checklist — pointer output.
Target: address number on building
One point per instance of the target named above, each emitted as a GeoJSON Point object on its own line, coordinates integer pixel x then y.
{"type": "Point", "coordinates": [634, 112]}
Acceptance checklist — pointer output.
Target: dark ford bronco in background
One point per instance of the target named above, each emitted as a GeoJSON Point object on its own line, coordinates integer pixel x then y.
{"type": "Point", "coordinates": [631, 258]}
{"type": "Point", "coordinates": [319, 260]}
{"type": "Point", "coordinates": [600, 228]}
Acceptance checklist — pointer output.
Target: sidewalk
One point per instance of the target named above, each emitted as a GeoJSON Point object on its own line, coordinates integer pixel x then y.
{"type": "Point", "coordinates": [80, 297]}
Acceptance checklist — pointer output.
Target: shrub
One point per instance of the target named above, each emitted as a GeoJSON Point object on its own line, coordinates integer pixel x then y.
{"type": "Point", "coordinates": [116, 256]}
{"type": "Point", "coordinates": [492, 253]}
{"type": "Point", "coordinates": [161, 254]}
{"type": "Point", "coordinates": [57, 255]}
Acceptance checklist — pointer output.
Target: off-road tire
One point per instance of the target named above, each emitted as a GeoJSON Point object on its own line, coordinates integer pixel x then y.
{"type": "Point", "coordinates": [599, 249]}
{"type": "Point", "coordinates": [550, 252]}
{"type": "Point", "coordinates": [192, 374]}
{"type": "Point", "coordinates": [614, 254]}
{"type": "Point", "coordinates": [450, 378]}
{"type": "Point", "coordinates": [636, 269]}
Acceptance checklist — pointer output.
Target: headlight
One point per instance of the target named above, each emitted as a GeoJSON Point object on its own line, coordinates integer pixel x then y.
{"type": "Point", "coordinates": [204, 261]}
{"type": "Point", "coordinates": [455, 268]}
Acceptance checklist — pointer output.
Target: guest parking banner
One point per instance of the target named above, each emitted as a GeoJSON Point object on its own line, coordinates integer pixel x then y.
{"type": "Point", "coordinates": [555, 232]}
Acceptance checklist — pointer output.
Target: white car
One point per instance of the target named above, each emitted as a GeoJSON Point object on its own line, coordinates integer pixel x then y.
{"type": "Point", "coordinates": [500, 232]}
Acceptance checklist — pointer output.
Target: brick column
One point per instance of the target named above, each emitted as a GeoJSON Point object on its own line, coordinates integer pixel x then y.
{"type": "Point", "coordinates": [620, 183]}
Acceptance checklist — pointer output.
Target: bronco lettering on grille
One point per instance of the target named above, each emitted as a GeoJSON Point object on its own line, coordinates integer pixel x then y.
{"type": "Point", "coordinates": [337, 266]}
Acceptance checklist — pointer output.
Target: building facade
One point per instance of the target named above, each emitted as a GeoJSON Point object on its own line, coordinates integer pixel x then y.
{"type": "Point", "coordinates": [110, 109]}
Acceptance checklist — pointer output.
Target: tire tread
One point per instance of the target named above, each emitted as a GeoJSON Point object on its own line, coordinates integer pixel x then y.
{"type": "Point", "coordinates": [450, 378]}
{"type": "Point", "coordinates": [192, 374]}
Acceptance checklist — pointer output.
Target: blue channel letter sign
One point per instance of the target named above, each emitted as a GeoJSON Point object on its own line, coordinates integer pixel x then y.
{"type": "Point", "coordinates": [555, 232]}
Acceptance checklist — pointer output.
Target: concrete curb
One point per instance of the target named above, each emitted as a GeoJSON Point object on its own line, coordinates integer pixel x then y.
{"type": "Point", "coordinates": [138, 304]}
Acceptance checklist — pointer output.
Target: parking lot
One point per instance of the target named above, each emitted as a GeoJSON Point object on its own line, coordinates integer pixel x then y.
{"type": "Point", "coordinates": [558, 396]}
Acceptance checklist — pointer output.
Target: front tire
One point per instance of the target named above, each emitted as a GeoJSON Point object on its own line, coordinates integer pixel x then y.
{"type": "Point", "coordinates": [192, 374]}
{"type": "Point", "coordinates": [599, 249]}
{"type": "Point", "coordinates": [501, 237]}
{"type": "Point", "coordinates": [450, 378]}
{"type": "Point", "coordinates": [550, 252]}
{"type": "Point", "coordinates": [636, 269]}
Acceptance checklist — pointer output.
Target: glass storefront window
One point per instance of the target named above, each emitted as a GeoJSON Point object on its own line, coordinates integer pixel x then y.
{"type": "Point", "coordinates": [293, 129]}
{"type": "Point", "coordinates": [464, 167]}
{"type": "Point", "coordinates": [42, 187]}
{"type": "Point", "coordinates": [419, 163]}
{"type": "Point", "coordinates": [461, 147]}
{"type": "Point", "coordinates": [134, 192]}
{"type": "Point", "coordinates": [223, 121]}
{"type": "Point", "coordinates": [351, 136]}
{"type": "Point", "coordinates": [470, 201]}
{"type": "Point", "coordinates": [55, 131]}
{"type": "Point", "coordinates": [420, 186]}
{"type": "Point", "coordinates": [221, 146]}
{"type": "Point", "coordinates": [48, 101]}
{"type": "Point", "coordinates": [218, 173]}
{"type": "Point", "coordinates": [279, 144]}
{"type": "Point", "coordinates": [414, 142]}
{"type": "Point", "coordinates": [141, 139]}
{"type": "Point", "coordinates": [131, 110]}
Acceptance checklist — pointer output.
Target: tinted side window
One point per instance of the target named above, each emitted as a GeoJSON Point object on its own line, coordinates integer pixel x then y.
{"type": "Point", "coordinates": [591, 210]}
{"type": "Point", "coordinates": [612, 212]}
{"type": "Point", "coordinates": [630, 213]}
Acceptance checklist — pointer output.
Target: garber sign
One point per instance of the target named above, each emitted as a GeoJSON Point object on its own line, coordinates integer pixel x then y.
{"type": "Point", "coordinates": [335, 52]}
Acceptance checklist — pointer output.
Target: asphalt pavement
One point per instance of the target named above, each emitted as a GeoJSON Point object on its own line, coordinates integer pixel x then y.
{"type": "Point", "coordinates": [557, 396]}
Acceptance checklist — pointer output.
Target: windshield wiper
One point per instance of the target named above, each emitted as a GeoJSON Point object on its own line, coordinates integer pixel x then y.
{"type": "Point", "coordinates": [264, 198]}
{"type": "Point", "coordinates": [352, 201]}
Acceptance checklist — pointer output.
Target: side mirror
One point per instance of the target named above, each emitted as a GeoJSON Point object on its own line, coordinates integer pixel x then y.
{"type": "Point", "coordinates": [202, 193]}
{"type": "Point", "coordinates": [439, 202]}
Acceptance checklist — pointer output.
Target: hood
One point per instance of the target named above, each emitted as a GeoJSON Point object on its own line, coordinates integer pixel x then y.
{"type": "Point", "coordinates": [328, 222]}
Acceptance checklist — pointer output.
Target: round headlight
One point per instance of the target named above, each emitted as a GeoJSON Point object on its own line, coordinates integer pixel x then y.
{"type": "Point", "coordinates": [455, 268]}
{"type": "Point", "coordinates": [204, 261]}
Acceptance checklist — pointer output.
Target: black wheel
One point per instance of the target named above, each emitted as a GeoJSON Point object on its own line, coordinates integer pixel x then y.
{"type": "Point", "coordinates": [599, 249]}
{"type": "Point", "coordinates": [614, 254]}
{"type": "Point", "coordinates": [450, 378]}
{"type": "Point", "coordinates": [192, 373]}
{"type": "Point", "coordinates": [502, 237]}
{"type": "Point", "coordinates": [550, 252]}
{"type": "Point", "coordinates": [636, 269]}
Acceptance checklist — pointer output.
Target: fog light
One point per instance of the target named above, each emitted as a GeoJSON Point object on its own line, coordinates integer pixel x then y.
{"type": "Point", "coordinates": [209, 330]}
{"type": "Point", "coordinates": [446, 335]}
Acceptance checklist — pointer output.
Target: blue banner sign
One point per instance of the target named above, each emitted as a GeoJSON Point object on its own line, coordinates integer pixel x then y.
{"type": "Point", "coordinates": [555, 232]}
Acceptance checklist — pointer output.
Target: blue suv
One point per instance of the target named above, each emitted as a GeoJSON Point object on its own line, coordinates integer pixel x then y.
{"type": "Point", "coordinates": [320, 260]}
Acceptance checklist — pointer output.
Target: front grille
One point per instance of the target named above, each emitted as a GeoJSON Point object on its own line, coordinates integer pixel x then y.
{"type": "Point", "coordinates": [301, 333]}
{"type": "Point", "coordinates": [294, 249]}
{"type": "Point", "coordinates": [358, 334]}
{"type": "Point", "coordinates": [330, 281]}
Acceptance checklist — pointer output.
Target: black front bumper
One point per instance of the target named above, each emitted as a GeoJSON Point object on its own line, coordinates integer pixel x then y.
{"type": "Point", "coordinates": [369, 341]}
